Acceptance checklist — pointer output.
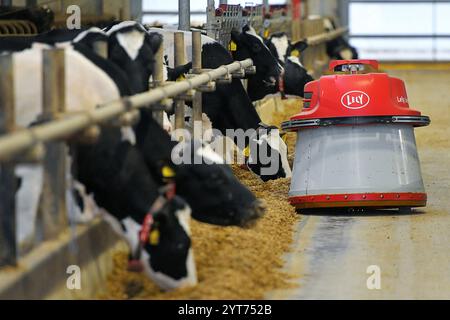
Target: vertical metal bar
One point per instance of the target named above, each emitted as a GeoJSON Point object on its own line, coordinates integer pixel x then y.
{"type": "Point", "coordinates": [180, 59]}
{"type": "Point", "coordinates": [343, 10]}
{"type": "Point", "coordinates": [295, 14]}
{"type": "Point", "coordinates": [184, 15]}
{"type": "Point", "coordinates": [210, 19]}
{"type": "Point", "coordinates": [121, 14]}
{"type": "Point", "coordinates": [158, 78]}
{"type": "Point", "coordinates": [52, 216]}
{"type": "Point", "coordinates": [8, 249]}
{"type": "Point", "coordinates": [197, 68]}
{"type": "Point", "coordinates": [196, 51]}
{"type": "Point", "coordinates": [266, 6]}
{"type": "Point", "coordinates": [99, 8]}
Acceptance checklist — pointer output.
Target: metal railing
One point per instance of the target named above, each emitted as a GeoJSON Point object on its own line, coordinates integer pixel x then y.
{"type": "Point", "coordinates": [46, 143]}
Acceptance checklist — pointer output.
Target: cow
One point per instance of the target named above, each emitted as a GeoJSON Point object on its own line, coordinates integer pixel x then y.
{"type": "Point", "coordinates": [338, 48]}
{"type": "Point", "coordinates": [230, 107]}
{"type": "Point", "coordinates": [295, 75]}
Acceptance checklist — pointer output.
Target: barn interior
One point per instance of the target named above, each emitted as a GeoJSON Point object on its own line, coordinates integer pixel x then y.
{"type": "Point", "coordinates": [344, 246]}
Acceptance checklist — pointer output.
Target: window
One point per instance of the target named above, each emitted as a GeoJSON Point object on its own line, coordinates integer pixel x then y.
{"type": "Point", "coordinates": [395, 30]}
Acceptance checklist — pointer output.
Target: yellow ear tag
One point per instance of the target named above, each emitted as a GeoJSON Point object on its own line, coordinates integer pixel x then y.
{"type": "Point", "coordinates": [167, 172]}
{"type": "Point", "coordinates": [295, 53]}
{"type": "Point", "coordinates": [246, 152]}
{"type": "Point", "coordinates": [266, 33]}
{"type": "Point", "coordinates": [181, 78]}
{"type": "Point", "coordinates": [154, 237]}
{"type": "Point", "coordinates": [232, 46]}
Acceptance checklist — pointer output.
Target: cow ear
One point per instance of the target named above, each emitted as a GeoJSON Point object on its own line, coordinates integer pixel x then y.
{"type": "Point", "coordinates": [300, 46]}
{"type": "Point", "coordinates": [154, 40]}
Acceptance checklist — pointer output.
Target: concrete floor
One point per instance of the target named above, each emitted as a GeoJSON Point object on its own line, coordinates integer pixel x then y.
{"type": "Point", "coordinates": [331, 254]}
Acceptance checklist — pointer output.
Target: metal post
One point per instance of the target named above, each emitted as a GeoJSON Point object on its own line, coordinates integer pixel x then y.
{"type": "Point", "coordinates": [266, 6]}
{"type": "Point", "coordinates": [8, 249]}
{"type": "Point", "coordinates": [52, 217]}
{"type": "Point", "coordinates": [210, 19]}
{"type": "Point", "coordinates": [180, 59]}
{"type": "Point", "coordinates": [99, 8]}
{"type": "Point", "coordinates": [158, 78]}
{"type": "Point", "coordinates": [197, 68]}
{"type": "Point", "coordinates": [184, 15]}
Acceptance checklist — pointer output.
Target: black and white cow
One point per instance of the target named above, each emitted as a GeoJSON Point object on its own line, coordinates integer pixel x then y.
{"type": "Point", "coordinates": [229, 107]}
{"type": "Point", "coordinates": [295, 76]}
{"type": "Point", "coordinates": [338, 48]}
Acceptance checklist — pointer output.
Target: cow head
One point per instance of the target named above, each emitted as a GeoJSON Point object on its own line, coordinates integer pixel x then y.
{"type": "Point", "coordinates": [278, 44]}
{"type": "Point", "coordinates": [133, 49]}
{"type": "Point", "coordinates": [250, 45]}
{"type": "Point", "coordinates": [215, 195]}
{"type": "Point", "coordinates": [160, 244]}
{"type": "Point", "coordinates": [267, 154]}
{"type": "Point", "coordinates": [167, 256]}
{"type": "Point", "coordinates": [295, 75]}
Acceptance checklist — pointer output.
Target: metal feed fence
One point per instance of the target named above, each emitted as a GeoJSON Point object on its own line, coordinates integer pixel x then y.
{"type": "Point", "coordinates": [47, 143]}
{"type": "Point", "coordinates": [267, 20]}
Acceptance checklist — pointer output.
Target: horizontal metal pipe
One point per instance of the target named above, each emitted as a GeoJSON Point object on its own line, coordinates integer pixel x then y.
{"type": "Point", "coordinates": [17, 142]}
{"type": "Point", "coordinates": [321, 38]}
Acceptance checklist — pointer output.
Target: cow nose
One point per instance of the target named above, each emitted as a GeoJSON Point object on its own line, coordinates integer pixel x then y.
{"type": "Point", "coordinates": [256, 211]}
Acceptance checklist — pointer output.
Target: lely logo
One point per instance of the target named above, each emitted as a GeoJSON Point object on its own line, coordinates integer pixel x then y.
{"type": "Point", "coordinates": [355, 100]}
